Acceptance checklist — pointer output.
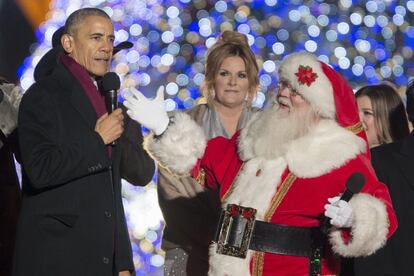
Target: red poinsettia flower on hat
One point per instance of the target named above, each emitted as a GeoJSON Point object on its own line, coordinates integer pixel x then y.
{"type": "Point", "coordinates": [306, 75]}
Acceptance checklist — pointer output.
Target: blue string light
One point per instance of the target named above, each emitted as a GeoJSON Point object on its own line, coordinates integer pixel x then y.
{"type": "Point", "coordinates": [367, 42]}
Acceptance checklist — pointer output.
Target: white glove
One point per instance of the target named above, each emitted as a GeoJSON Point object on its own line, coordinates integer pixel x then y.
{"type": "Point", "coordinates": [149, 113]}
{"type": "Point", "coordinates": [340, 212]}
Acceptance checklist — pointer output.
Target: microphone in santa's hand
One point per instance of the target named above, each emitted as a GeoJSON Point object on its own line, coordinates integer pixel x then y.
{"type": "Point", "coordinates": [353, 186]}
{"type": "Point", "coordinates": [110, 84]}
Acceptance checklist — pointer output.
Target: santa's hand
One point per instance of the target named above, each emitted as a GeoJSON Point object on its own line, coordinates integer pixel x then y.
{"type": "Point", "coordinates": [340, 212]}
{"type": "Point", "coordinates": [149, 113]}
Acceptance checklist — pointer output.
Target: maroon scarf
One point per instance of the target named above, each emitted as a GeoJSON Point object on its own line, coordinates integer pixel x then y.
{"type": "Point", "coordinates": [96, 99]}
{"type": "Point", "coordinates": [85, 80]}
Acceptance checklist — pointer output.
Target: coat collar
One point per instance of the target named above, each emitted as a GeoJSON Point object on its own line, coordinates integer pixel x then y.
{"type": "Point", "coordinates": [76, 94]}
{"type": "Point", "coordinates": [324, 148]}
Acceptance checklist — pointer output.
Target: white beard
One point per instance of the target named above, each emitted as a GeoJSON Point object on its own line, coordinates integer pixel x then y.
{"type": "Point", "coordinates": [271, 133]}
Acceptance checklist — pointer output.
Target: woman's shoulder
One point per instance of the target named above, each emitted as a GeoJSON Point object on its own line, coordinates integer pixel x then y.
{"type": "Point", "coordinates": [385, 150]}
{"type": "Point", "coordinates": [197, 109]}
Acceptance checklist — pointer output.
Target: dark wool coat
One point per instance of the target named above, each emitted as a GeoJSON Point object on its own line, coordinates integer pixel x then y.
{"type": "Point", "coordinates": [72, 220]}
{"type": "Point", "coordinates": [10, 96]}
{"type": "Point", "coordinates": [9, 201]}
{"type": "Point", "coordinates": [394, 165]}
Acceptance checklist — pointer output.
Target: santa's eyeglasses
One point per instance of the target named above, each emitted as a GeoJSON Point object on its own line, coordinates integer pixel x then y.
{"type": "Point", "coordinates": [285, 84]}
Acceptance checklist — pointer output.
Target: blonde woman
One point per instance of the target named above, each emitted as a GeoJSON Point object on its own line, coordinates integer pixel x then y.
{"type": "Point", "coordinates": [231, 82]}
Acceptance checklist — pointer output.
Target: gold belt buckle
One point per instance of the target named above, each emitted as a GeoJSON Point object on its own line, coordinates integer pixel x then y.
{"type": "Point", "coordinates": [236, 231]}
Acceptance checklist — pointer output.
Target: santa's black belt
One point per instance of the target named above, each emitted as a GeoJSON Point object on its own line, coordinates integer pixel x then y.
{"type": "Point", "coordinates": [238, 231]}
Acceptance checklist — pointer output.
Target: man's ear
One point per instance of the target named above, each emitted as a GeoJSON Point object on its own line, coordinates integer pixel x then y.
{"type": "Point", "coordinates": [67, 43]}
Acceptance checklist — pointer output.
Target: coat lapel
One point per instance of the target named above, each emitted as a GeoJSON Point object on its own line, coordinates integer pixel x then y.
{"type": "Point", "coordinates": [81, 103]}
{"type": "Point", "coordinates": [78, 97]}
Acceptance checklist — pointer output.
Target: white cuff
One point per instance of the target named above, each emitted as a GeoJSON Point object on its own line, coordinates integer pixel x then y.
{"type": "Point", "coordinates": [179, 146]}
{"type": "Point", "coordinates": [369, 229]}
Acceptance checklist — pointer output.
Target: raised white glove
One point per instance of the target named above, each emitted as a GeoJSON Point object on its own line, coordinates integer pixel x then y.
{"type": "Point", "coordinates": [149, 113]}
{"type": "Point", "coordinates": [340, 212]}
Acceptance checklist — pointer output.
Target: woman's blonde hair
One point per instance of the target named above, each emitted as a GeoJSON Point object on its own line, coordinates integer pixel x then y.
{"type": "Point", "coordinates": [230, 44]}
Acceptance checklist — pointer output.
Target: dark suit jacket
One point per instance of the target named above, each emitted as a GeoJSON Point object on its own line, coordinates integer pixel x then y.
{"type": "Point", "coordinates": [9, 201]}
{"type": "Point", "coordinates": [72, 220]}
{"type": "Point", "coordinates": [394, 165]}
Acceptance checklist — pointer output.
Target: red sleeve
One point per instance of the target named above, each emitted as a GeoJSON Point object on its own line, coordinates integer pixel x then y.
{"type": "Point", "coordinates": [219, 157]}
{"type": "Point", "coordinates": [375, 188]}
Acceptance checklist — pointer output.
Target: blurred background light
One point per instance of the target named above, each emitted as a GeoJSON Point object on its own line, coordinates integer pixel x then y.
{"type": "Point", "coordinates": [366, 41]}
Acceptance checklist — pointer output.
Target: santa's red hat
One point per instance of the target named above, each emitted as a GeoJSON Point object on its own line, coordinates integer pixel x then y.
{"type": "Point", "coordinates": [324, 88]}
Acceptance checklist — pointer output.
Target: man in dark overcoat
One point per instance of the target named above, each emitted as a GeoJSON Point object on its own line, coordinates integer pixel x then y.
{"type": "Point", "coordinates": [72, 219]}
{"type": "Point", "coordinates": [10, 96]}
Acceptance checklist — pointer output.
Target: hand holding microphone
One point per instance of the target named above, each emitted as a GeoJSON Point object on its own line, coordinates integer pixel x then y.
{"type": "Point", "coordinates": [110, 127]}
{"type": "Point", "coordinates": [339, 212]}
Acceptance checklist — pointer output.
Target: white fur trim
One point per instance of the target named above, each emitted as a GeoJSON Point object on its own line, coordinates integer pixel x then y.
{"type": "Point", "coordinates": [320, 92]}
{"type": "Point", "coordinates": [180, 145]}
{"type": "Point", "coordinates": [326, 147]}
{"type": "Point", "coordinates": [248, 183]}
{"type": "Point", "coordinates": [245, 194]}
{"type": "Point", "coordinates": [223, 265]}
{"type": "Point", "coordinates": [369, 230]}
{"type": "Point", "coordinates": [9, 107]}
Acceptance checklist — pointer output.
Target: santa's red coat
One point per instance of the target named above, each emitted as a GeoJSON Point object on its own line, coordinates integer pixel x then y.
{"type": "Point", "coordinates": [290, 188]}
{"type": "Point", "coordinates": [298, 201]}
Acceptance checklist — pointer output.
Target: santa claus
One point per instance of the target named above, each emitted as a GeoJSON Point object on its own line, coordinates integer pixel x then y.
{"type": "Point", "coordinates": [288, 167]}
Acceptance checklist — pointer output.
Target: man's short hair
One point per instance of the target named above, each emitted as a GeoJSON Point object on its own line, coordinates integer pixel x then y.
{"type": "Point", "coordinates": [76, 18]}
{"type": "Point", "coordinates": [410, 101]}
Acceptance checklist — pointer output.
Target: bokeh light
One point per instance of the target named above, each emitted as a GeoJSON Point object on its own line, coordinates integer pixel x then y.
{"type": "Point", "coordinates": [366, 41]}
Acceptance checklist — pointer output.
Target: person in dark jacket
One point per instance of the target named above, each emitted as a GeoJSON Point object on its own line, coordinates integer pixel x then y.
{"type": "Point", "coordinates": [72, 220]}
{"type": "Point", "coordinates": [393, 164]}
{"type": "Point", "coordinates": [10, 96]}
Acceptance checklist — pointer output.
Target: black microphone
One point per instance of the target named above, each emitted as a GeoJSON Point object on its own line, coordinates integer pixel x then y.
{"type": "Point", "coordinates": [110, 84]}
{"type": "Point", "coordinates": [353, 186]}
